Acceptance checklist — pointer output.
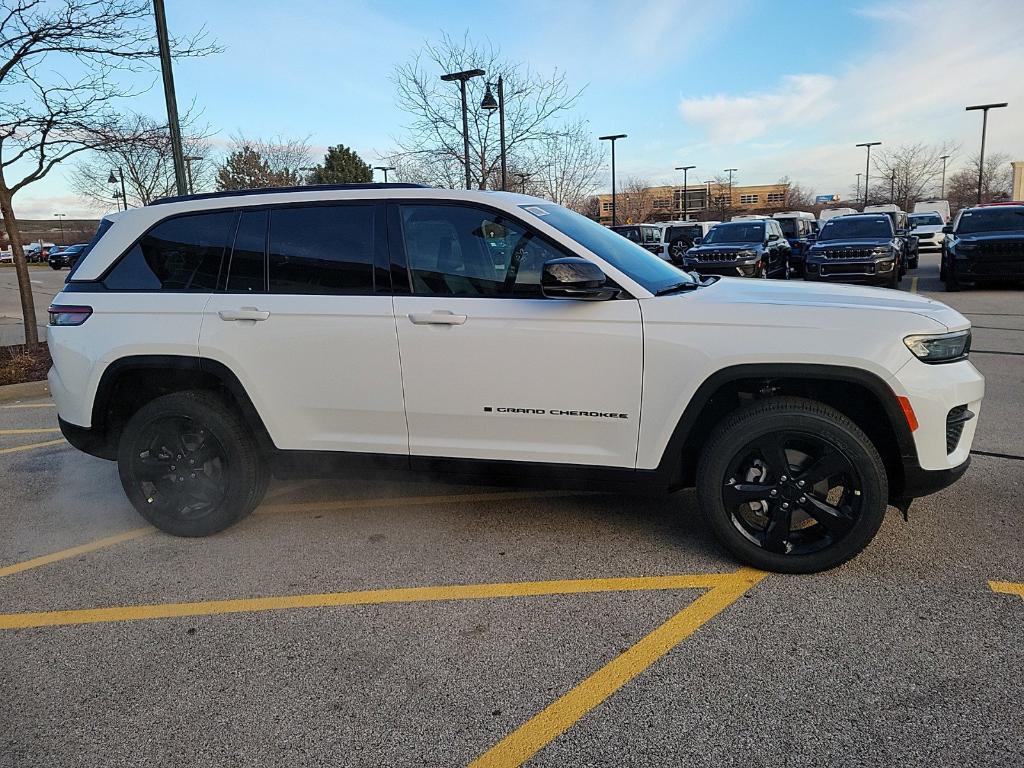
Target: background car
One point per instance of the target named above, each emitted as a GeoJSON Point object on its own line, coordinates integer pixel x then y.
{"type": "Point", "coordinates": [862, 248]}
{"type": "Point", "coordinates": [746, 248]}
{"type": "Point", "coordinates": [65, 257]}
{"type": "Point", "coordinates": [927, 228]}
{"type": "Point", "coordinates": [799, 228]}
{"type": "Point", "coordinates": [986, 243]}
{"type": "Point", "coordinates": [677, 237]}
{"type": "Point", "coordinates": [646, 235]}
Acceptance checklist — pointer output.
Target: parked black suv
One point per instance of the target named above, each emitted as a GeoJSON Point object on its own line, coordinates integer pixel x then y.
{"type": "Point", "coordinates": [986, 243]}
{"type": "Point", "coordinates": [859, 248]}
{"type": "Point", "coordinates": [65, 257]}
{"type": "Point", "coordinates": [746, 248]}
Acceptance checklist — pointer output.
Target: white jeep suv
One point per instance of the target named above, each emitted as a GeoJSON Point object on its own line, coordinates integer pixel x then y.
{"type": "Point", "coordinates": [206, 342]}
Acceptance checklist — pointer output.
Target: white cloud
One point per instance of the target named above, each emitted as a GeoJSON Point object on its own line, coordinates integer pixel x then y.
{"type": "Point", "coordinates": [733, 119]}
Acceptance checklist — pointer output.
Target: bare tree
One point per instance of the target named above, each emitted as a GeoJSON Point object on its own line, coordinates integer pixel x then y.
{"type": "Point", "coordinates": [141, 150]}
{"type": "Point", "coordinates": [433, 139]}
{"type": "Point", "coordinates": [46, 116]}
{"type": "Point", "coordinates": [566, 164]}
{"type": "Point", "coordinates": [634, 201]}
{"type": "Point", "coordinates": [962, 186]}
{"type": "Point", "coordinates": [258, 163]}
{"type": "Point", "coordinates": [907, 173]}
{"type": "Point", "coordinates": [590, 207]}
{"type": "Point", "coordinates": [797, 196]}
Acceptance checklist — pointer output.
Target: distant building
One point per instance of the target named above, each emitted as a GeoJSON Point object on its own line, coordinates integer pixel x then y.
{"type": "Point", "coordinates": [66, 232]}
{"type": "Point", "coordinates": [703, 201]}
{"type": "Point", "coordinates": [1017, 190]}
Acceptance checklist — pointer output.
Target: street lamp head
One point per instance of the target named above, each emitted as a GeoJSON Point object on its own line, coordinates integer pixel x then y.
{"type": "Point", "coordinates": [112, 179]}
{"type": "Point", "coordinates": [466, 75]}
{"type": "Point", "coordinates": [869, 144]}
{"type": "Point", "coordinates": [685, 167]}
{"type": "Point", "coordinates": [383, 167]}
{"type": "Point", "coordinates": [729, 170]}
{"type": "Point", "coordinates": [987, 106]}
{"type": "Point", "coordinates": [489, 102]}
{"type": "Point", "coordinates": [612, 138]}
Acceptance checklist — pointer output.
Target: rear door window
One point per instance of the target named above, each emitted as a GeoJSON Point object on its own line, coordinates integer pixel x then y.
{"type": "Point", "coordinates": [181, 254]}
{"type": "Point", "coordinates": [247, 271]}
{"type": "Point", "coordinates": [325, 249]}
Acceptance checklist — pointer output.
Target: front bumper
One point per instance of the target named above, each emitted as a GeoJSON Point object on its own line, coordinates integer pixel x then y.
{"type": "Point", "coordinates": [722, 268]}
{"type": "Point", "coordinates": [971, 268]}
{"type": "Point", "coordinates": [919, 482]}
{"type": "Point", "coordinates": [840, 271]}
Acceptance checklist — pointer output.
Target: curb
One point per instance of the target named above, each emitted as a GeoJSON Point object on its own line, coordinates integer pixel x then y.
{"type": "Point", "coordinates": [10, 392]}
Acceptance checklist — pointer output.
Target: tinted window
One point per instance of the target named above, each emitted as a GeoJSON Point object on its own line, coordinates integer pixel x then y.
{"type": "Point", "coordinates": [688, 232]}
{"type": "Point", "coordinates": [991, 220]}
{"type": "Point", "coordinates": [181, 254]}
{"type": "Point", "coordinates": [925, 219]}
{"type": "Point", "coordinates": [641, 265]}
{"type": "Point", "coordinates": [247, 272]}
{"type": "Point", "coordinates": [736, 233]}
{"type": "Point", "coordinates": [854, 228]}
{"type": "Point", "coordinates": [322, 249]}
{"type": "Point", "coordinates": [463, 251]}
{"type": "Point", "coordinates": [630, 233]}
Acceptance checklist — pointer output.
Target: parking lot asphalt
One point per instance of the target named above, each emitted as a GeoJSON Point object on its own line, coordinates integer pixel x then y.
{"type": "Point", "coordinates": [46, 283]}
{"type": "Point", "coordinates": [384, 622]}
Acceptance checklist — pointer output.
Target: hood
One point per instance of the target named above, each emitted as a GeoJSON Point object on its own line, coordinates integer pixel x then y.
{"type": "Point", "coordinates": [727, 247]}
{"type": "Point", "coordinates": [814, 298]}
{"type": "Point", "coordinates": [993, 237]}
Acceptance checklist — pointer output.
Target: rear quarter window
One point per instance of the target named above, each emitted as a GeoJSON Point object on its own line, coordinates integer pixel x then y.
{"type": "Point", "coordinates": [181, 254]}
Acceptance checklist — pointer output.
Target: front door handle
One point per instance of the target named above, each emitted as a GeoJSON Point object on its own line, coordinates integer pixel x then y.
{"type": "Point", "coordinates": [437, 317]}
{"type": "Point", "coordinates": [245, 313]}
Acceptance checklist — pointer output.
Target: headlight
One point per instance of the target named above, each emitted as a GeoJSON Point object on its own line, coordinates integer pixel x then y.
{"type": "Point", "coordinates": [940, 347]}
{"type": "Point", "coordinates": [883, 250]}
{"type": "Point", "coordinates": [746, 254]}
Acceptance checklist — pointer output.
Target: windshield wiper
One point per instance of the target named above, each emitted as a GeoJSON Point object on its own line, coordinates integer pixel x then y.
{"type": "Point", "coordinates": [678, 287]}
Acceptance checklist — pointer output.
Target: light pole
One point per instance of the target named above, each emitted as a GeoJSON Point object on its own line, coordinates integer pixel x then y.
{"type": "Point", "coordinates": [730, 172]}
{"type": "Point", "coordinates": [490, 104]}
{"type": "Point", "coordinates": [172, 103]}
{"type": "Point", "coordinates": [384, 169]}
{"type": "Point", "coordinates": [984, 126]}
{"type": "Point", "coordinates": [60, 219]}
{"type": "Point", "coordinates": [113, 180]}
{"type": "Point", "coordinates": [461, 78]}
{"type": "Point", "coordinates": [522, 180]}
{"type": "Point", "coordinates": [867, 167]}
{"type": "Point", "coordinates": [892, 187]}
{"type": "Point", "coordinates": [613, 139]}
{"type": "Point", "coordinates": [942, 194]}
{"type": "Point", "coordinates": [858, 186]}
{"type": "Point", "coordinates": [686, 204]}
{"type": "Point", "coordinates": [188, 168]}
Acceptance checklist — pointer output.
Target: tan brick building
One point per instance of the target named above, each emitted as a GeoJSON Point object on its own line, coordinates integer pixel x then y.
{"type": "Point", "coordinates": [704, 201]}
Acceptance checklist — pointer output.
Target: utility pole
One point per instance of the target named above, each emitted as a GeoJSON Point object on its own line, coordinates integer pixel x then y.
{"type": "Point", "coordinates": [984, 126]}
{"type": "Point", "coordinates": [489, 104]}
{"type": "Point", "coordinates": [60, 220]}
{"type": "Point", "coordinates": [942, 194]}
{"type": "Point", "coordinates": [172, 104]}
{"type": "Point", "coordinates": [867, 167]}
{"type": "Point", "coordinates": [858, 186]}
{"type": "Point", "coordinates": [384, 169]}
{"type": "Point", "coordinates": [730, 172]}
{"type": "Point", "coordinates": [686, 203]}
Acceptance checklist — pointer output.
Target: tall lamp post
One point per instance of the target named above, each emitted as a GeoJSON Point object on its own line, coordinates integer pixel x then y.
{"type": "Point", "coordinates": [384, 169]}
{"type": "Point", "coordinates": [942, 194]}
{"type": "Point", "coordinates": [730, 171]}
{"type": "Point", "coordinates": [892, 187]}
{"type": "Point", "coordinates": [867, 167]}
{"type": "Point", "coordinates": [522, 180]}
{"type": "Point", "coordinates": [461, 78]}
{"type": "Point", "coordinates": [613, 139]}
{"type": "Point", "coordinates": [686, 203]}
{"type": "Point", "coordinates": [113, 180]}
{"type": "Point", "coordinates": [858, 185]}
{"type": "Point", "coordinates": [489, 103]}
{"type": "Point", "coordinates": [60, 219]}
{"type": "Point", "coordinates": [984, 126]}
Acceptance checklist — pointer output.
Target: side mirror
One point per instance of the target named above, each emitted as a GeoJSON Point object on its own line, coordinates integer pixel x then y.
{"type": "Point", "coordinates": [812, 236]}
{"type": "Point", "coordinates": [948, 229]}
{"type": "Point", "coordinates": [573, 277]}
{"type": "Point", "coordinates": [696, 240]}
{"type": "Point", "coordinates": [773, 236]}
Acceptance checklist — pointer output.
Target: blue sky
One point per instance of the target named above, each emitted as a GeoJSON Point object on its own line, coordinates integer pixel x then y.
{"type": "Point", "coordinates": [772, 88]}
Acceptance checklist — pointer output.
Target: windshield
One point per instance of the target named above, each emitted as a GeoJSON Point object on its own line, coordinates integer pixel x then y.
{"type": "Point", "coordinates": [925, 219]}
{"type": "Point", "coordinates": [790, 227]}
{"type": "Point", "coordinates": [740, 232]}
{"type": "Point", "coordinates": [630, 233]}
{"type": "Point", "coordinates": [856, 228]}
{"type": "Point", "coordinates": [632, 260]}
{"type": "Point", "coordinates": [991, 220]}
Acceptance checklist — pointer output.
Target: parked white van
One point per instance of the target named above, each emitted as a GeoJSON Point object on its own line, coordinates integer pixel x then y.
{"type": "Point", "coordinates": [940, 207]}
{"type": "Point", "coordinates": [831, 213]}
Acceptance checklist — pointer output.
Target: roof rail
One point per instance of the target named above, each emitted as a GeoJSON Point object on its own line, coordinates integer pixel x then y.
{"type": "Point", "coordinates": [279, 190]}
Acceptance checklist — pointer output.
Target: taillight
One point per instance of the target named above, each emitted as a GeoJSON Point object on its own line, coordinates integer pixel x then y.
{"type": "Point", "coordinates": [66, 314]}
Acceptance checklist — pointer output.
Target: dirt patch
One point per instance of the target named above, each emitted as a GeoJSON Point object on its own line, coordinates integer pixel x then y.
{"type": "Point", "coordinates": [18, 364]}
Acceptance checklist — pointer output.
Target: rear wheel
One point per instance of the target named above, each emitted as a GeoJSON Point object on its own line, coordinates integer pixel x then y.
{"type": "Point", "coordinates": [189, 465]}
{"type": "Point", "coordinates": [792, 485]}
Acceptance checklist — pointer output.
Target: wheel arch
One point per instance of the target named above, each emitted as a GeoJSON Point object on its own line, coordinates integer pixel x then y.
{"type": "Point", "coordinates": [862, 396]}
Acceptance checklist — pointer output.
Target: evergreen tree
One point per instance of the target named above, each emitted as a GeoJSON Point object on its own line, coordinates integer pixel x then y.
{"type": "Point", "coordinates": [341, 165]}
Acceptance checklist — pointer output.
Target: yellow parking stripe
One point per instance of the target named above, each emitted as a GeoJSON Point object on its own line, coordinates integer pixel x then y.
{"type": "Point", "coordinates": [28, 431]}
{"type": "Point", "coordinates": [81, 549]}
{"type": "Point", "coordinates": [558, 717]}
{"type": "Point", "coordinates": [369, 597]}
{"type": "Point", "coordinates": [1007, 588]}
{"type": "Point", "coordinates": [32, 446]}
{"type": "Point", "coordinates": [913, 285]}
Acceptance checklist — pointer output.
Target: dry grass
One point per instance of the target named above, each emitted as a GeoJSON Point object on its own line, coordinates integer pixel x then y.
{"type": "Point", "coordinates": [18, 364]}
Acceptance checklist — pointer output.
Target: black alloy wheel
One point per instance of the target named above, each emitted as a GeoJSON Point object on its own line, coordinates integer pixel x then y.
{"type": "Point", "coordinates": [677, 251]}
{"type": "Point", "coordinates": [792, 485]}
{"type": "Point", "coordinates": [189, 465]}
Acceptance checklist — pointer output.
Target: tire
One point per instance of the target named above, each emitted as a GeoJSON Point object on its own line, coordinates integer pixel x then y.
{"type": "Point", "coordinates": [942, 268]}
{"type": "Point", "coordinates": [953, 283]}
{"type": "Point", "coordinates": [808, 432]}
{"type": "Point", "coordinates": [894, 279]}
{"type": "Point", "coordinates": [226, 482]}
{"type": "Point", "coordinates": [54, 266]}
{"type": "Point", "coordinates": [915, 261]}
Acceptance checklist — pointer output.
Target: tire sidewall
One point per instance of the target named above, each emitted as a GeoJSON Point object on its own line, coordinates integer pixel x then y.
{"type": "Point", "coordinates": [817, 420]}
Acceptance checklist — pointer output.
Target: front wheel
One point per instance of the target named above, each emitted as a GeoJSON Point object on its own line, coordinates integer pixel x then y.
{"type": "Point", "coordinates": [189, 465]}
{"type": "Point", "coordinates": [792, 485]}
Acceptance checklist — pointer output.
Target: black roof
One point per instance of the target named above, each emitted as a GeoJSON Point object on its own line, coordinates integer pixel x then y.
{"type": "Point", "coordinates": [277, 190]}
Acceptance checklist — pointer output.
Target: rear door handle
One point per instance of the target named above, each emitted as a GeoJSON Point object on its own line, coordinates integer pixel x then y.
{"type": "Point", "coordinates": [437, 317]}
{"type": "Point", "coordinates": [245, 313]}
